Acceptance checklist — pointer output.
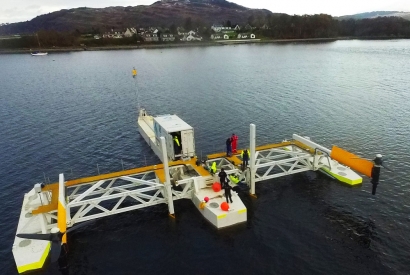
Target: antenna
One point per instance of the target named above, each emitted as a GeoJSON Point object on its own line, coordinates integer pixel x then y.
{"type": "Point", "coordinates": [134, 75]}
{"type": "Point", "coordinates": [38, 40]}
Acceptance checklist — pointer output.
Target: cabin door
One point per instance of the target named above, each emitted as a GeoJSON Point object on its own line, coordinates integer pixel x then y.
{"type": "Point", "coordinates": [188, 143]}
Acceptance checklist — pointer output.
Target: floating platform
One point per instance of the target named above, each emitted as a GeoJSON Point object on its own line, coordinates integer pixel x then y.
{"type": "Point", "coordinates": [181, 175]}
{"type": "Point", "coordinates": [213, 212]}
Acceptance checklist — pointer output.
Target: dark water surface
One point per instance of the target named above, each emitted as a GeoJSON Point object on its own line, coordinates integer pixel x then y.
{"type": "Point", "coordinates": [69, 112]}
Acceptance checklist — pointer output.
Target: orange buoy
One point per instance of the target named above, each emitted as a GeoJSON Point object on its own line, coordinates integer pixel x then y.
{"type": "Point", "coordinates": [225, 206]}
{"type": "Point", "coordinates": [202, 205]}
{"type": "Point", "coordinates": [216, 186]}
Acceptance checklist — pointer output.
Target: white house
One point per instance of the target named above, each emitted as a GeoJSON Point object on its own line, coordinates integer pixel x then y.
{"type": "Point", "coordinates": [128, 33]}
{"type": "Point", "coordinates": [113, 34]}
{"type": "Point", "coordinates": [216, 28]}
{"type": "Point", "coordinates": [219, 36]}
{"type": "Point", "coordinates": [167, 37]}
{"type": "Point", "coordinates": [150, 37]}
{"type": "Point", "coordinates": [191, 37]}
{"type": "Point", "coordinates": [237, 28]}
{"type": "Point", "coordinates": [219, 28]}
{"type": "Point", "coordinates": [118, 35]}
{"type": "Point", "coordinates": [246, 36]}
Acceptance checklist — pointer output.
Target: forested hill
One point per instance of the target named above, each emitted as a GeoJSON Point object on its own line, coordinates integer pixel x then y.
{"type": "Point", "coordinates": [201, 15]}
{"type": "Point", "coordinates": [160, 14]}
{"type": "Point", "coordinates": [375, 14]}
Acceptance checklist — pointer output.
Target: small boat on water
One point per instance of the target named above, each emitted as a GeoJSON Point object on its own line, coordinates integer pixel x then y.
{"type": "Point", "coordinates": [38, 54]}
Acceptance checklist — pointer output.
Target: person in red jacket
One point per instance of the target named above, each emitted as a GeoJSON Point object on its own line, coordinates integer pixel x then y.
{"type": "Point", "coordinates": [234, 139]}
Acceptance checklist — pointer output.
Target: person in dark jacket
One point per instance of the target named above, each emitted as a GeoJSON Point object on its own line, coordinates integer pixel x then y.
{"type": "Point", "coordinates": [228, 147]}
{"type": "Point", "coordinates": [245, 158]}
{"type": "Point", "coordinates": [222, 177]}
{"type": "Point", "coordinates": [228, 194]}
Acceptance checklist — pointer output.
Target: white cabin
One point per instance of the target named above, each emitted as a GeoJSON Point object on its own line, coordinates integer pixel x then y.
{"type": "Point", "coordinates": [169, 127]}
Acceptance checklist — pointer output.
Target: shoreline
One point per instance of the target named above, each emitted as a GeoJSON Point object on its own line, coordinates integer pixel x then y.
{"type": "Point", "coordinates": [189, 44]}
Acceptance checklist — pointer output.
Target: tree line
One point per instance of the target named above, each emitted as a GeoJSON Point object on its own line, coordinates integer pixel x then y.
{"type": "Point", "coordinates": [272, 26]}
{"type": "Point", "coordinates": [42, 39]}
{"type": "Point", "coordinates": [324, 26]}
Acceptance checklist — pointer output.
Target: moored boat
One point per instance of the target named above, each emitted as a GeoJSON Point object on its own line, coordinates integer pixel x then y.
{"type": "Point", "coordinates": [38, 54]}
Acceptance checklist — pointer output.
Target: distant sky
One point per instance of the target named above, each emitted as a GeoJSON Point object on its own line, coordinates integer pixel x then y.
{"type": "Point", "coordinates": [22, 10]}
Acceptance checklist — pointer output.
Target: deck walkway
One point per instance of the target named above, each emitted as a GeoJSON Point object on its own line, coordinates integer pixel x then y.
{"type": "Point", "coordinates": [158, 169]}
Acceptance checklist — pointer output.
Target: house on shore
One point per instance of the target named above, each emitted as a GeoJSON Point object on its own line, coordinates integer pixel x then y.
{"type": "Point", "coordinates": [219, 36]}
{"type": "Point", "coordinates": [150, 37]}
{"type": "Point", "coordinates": [113, 34]}
{"type": "Point", "coordinates": [167, 37]}
{"type": "Point", "coordinates": [219, 28]}
{"type": "Point", "coordinates": [191, 36]}
{"type": "Point", "coordinates": [246, 36]}
{"type": "Point", "coordinates": [128, 33]}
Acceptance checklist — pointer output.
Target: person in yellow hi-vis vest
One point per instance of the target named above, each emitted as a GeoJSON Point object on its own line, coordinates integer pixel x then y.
{"type": "Point", "coordinates": [177, 145]}
{"type": "Point", "coordinates": [134, 72]}
{"type": "Point", "coordinates": [234, 178]}
{"type": "Point", "coordinates": [213, 168]}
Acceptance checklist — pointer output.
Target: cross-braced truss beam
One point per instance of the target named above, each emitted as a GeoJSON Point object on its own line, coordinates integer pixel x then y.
{"type": "Point", "coordinates": [278, 162]}
{"type": "Point", "coordinates": [117, 195]}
